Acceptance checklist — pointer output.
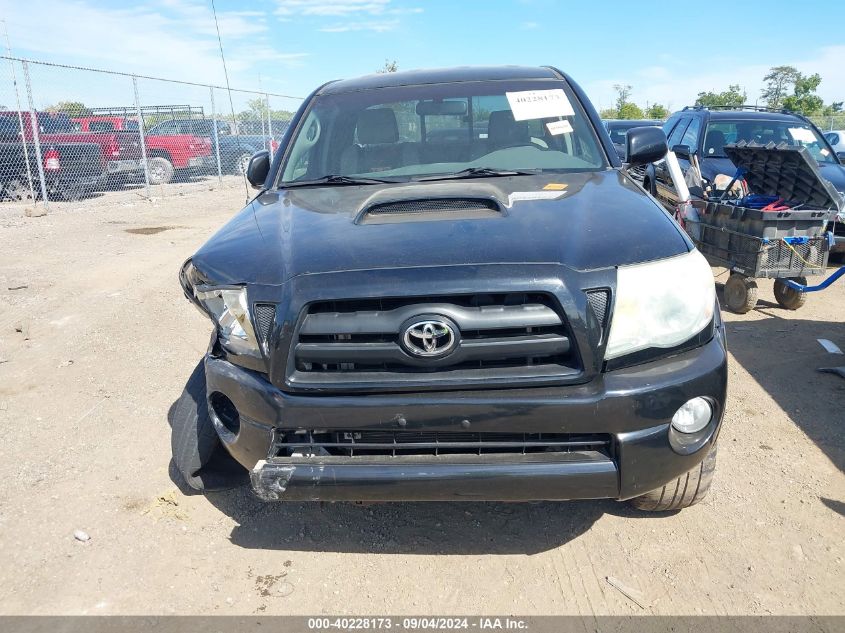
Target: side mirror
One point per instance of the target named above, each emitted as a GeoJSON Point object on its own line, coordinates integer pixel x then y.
{"type": "Point", "coordinates": [681, 151]}
{"type": "Point", "coordinates": [841, 156]}
{"type": "Point", "coordinates": [645, 145]}
{"type": "Point", "coordinates": [258, 168]}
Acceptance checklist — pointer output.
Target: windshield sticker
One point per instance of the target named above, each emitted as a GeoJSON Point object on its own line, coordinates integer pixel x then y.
{"type": "Point", "coordinates": [520, 196]}
{"type": "Point", "coordinates": [539, 104]}
{"type": "Point", "coordinates": [555, 186]}
{"type": "Point", "coordinates": [559, 127]}
{"type": "Point", "coordinates": [802, 134]}
{"type": "Point", "coordinates": [823, 152]}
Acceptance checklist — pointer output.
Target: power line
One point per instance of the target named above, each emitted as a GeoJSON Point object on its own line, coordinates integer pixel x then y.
{"type": "Point", "coordinates": [125, 74]}
{"type": "Point", "coordinates": [229, 92]}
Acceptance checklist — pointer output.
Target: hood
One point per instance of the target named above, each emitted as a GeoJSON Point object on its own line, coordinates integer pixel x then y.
{"type": "Point", "coordinates": [584, 221]}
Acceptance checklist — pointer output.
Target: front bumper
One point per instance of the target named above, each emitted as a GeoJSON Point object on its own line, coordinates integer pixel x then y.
{"type": "Point", "coordinates": [124, 166]}
{"type": "Point", "coordinates": [634, 406]}
{"type": "Point", "coordinates": [202, 162]}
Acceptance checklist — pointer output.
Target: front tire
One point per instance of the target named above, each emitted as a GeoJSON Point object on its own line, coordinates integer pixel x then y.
{"type": "Point", "coordinates": [789, 298]}
{"type": "Point", "coordinates": [685, 491]}
{"type": "Point", "coordinates": [241, 164]}
{"type": "Point", "coordinates": [740, 293]}
{"type": "Point", "coordinates": [197, 452]}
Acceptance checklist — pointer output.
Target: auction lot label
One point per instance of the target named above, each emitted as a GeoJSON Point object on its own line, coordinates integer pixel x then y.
{"type": "Point", "coordinates": [539, 104]}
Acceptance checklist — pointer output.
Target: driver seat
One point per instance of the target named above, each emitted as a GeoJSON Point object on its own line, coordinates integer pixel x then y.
{"type": "Point", "coordinates": [714, 143]}
{"type": "Point", "coordinates": [503, 131]}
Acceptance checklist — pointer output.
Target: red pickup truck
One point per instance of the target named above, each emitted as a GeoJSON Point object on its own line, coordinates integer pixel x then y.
{"type": "Point", "coordinates": [166, 153]}
{"type": "Point", "coordinates": [120, 152]}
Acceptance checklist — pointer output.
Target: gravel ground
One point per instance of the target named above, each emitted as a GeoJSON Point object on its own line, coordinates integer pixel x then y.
{"type": "Point", "coordinates": [96, 342]}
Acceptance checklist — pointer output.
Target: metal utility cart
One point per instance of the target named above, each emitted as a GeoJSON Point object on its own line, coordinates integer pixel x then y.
{"type": "Point", "coordinates": [775, 231]}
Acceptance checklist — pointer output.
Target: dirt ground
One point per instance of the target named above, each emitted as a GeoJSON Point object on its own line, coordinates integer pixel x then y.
{"type": "Point", "coordinates": [96, 342]}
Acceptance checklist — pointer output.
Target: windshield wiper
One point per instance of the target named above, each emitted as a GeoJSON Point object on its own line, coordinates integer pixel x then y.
{"type": "Point", "coordinates": [481, 172]}
{"type": "Point", "coordinates": [337, 179]}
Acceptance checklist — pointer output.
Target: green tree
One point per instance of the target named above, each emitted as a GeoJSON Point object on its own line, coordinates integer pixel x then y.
{"type": "Point", "coordinates": [657, 111]}
{"type": "Point", "coordinates": [71, 108]}
{"type": "Point", "coordinates": [804, 98]}
{"type": "Point", "coordinates": [257, 110]}
{"type": "Point", "coordinates": [624, 107]}
{"type": "Point", "coordinates": [390, 66]}
{"type": "Point", "coordinates": [833, 108]}
{"type": "Point", "coordinates": [630, 111]}
{"type": "Point", "coordinates": [779, 82]}
{"type": "Point", "coordinates": [733, 96]}
{"type": "Point", "coordinates": [623, 91]}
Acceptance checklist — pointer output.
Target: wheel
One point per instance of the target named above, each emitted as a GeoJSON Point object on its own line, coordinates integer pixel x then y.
{"type": "Point", "coordinates": [160, 170]}
{"type": "Point", "coordinates": [685, 491]}
{"type": "Point", "coordinates": [241, 163]}
{"type": "Point", "coordinates": [789, 298]}
{"type": "Point", "coordinates": [740, 293]}
{"type": "Point", "coordinates": [17, 190]}
{"type": "Point", "coordinates": [197, 452]}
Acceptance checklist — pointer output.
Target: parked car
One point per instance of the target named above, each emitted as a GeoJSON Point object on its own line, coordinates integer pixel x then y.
{"type": "Point", "coordinates": [120, 152]}
{"type": "Point", "coordinates": [617, 129]}
{"type": "Point", "coordinates": [836, 138]}
{"type": "Point", "coordinates": [235, 150]}
{"type": "Point", "coordinates": [705, 132]}
{"type": "Point", "coordinates": [502, 318]}
{"type": "Point", "coordinates": [71, 170]}
{"type": "Point", "coordinates": [168, 155]}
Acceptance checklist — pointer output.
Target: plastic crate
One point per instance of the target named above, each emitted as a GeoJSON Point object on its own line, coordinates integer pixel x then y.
{"type": "Point", "coordinates": [763, 224]}
{"type": "Point", "coordinates": [760, 257]}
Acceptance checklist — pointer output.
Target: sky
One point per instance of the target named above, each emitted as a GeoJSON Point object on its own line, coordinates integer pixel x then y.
{"type": "Point", "coordinates": [667, 54]}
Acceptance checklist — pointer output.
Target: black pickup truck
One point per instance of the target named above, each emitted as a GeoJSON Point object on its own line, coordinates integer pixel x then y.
{"type": "Point", "coordinates": [496, 316]}
{"type": "Point", "coordinates": [71, 170]}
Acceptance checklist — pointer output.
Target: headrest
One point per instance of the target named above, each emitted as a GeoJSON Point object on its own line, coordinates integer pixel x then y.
{"type": "Point", "coordinates": [503, 129]}
{"type": "Point", "coordinates": [377, 126]}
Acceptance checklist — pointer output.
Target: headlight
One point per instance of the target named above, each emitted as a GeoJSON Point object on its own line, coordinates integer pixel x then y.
{"type": "Point", "coordinates": [227, 307]}
{"type": "Point", "coordinates": [229, 310]}
{"type": "Point", "coordinates": [661, 304]}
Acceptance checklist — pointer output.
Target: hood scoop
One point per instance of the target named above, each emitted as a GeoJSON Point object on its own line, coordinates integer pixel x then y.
{"type": "Point", "coordinates": [429, 209]}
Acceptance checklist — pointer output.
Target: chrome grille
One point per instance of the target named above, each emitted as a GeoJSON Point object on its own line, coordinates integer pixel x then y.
{"type": "Point", "coordinates": [502, 337]}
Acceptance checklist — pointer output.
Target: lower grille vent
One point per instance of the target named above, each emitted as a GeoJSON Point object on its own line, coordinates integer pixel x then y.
{"type": "Point", "coordinates": [351, 443]}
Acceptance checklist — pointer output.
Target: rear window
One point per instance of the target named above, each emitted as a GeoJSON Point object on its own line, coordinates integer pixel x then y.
{"type": "Point", "coordinates": [55, 123]}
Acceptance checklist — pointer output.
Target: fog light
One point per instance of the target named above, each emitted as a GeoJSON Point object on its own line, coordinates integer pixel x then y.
{"type": "Point", "coordinates": [693, 416]}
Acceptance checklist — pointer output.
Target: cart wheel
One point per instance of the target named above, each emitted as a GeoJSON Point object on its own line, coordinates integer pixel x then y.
{"type": "Point", "coordinates": [740, 293]}
{"type": "Point", "coordinates": [789, 298]}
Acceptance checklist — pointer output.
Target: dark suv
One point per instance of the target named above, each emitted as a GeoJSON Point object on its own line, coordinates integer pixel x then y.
{"type": "Point", "coordinates": [706, 131]}
{"type": "Point", "coordinates": [402, 314]}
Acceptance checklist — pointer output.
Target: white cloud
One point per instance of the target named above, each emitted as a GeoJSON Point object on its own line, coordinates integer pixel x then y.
{"type": "Point", "coordinates": [367, 25]}
{"type": "Point", "coordinates": [356, 10]}
{"type": "Point", "coordinates": [529, 26]}
{"type": "Point", "coordinates": [165, 38]}
{"type": "Point", "coordinates": [676, 85]}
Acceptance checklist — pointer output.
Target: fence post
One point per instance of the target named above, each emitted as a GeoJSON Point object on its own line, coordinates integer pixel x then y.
{"type": "Point", "coordinates": [33, 121]}
{"type": "Point", "coordinates": [143, 137]}
{"type": "Point", "coordinates": [269, 142]}
{"type": "Point", "coordinates": [23, 131]}
{"type": "Point", "coordinates": [216, 138]}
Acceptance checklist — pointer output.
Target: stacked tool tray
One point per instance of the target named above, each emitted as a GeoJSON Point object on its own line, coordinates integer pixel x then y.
{"type": "Point", "coordinates": [778, 229]}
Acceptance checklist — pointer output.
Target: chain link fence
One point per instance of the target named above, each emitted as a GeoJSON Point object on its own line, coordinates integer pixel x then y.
{"type": "Point", "coordinates": [82, 135]}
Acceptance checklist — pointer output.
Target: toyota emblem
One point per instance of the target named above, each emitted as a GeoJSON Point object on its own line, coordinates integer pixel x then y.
{"type": "Point", "coordinates": [429, 338]}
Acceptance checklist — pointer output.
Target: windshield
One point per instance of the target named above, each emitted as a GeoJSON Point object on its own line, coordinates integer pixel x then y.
{"type": "Point", "coordinates": [51, 123]}
{"type": "Point", "coordinates": [720, 133]}
{"type": "Point", "coordinates": [411, 132]}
